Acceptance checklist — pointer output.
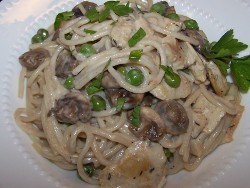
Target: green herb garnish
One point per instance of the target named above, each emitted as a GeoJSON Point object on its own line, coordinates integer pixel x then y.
{"type": "Point", "coordinates": [224, 54]}
{"type": "Point", "coordinates": [240, 70]}
{"type": "Point", "coordinates": [135, 120]}
{"type": "Point", "coordinates": [63, 16]}
{"type": "Point", "coordinates": [122, 10]}
{"type": "Point", "coordinates": [120, 103]}
{"type": "Point", "coordinates": [173, 16]}
{"type": "Point", "coordinates": [135, 55]}
{"type": "Point", "coordinates": [92, 15]}
{"type": "Point", "coordinates": [191, 24]}
{"type": "Point", "coordinates": [159, 8]}
{"type": "Point", "coordinates": [139, 35]}
{"type": "Point", "coordinates": [95, 85]}
{"type": "Point", "coordinates": [104, 15]}
{"type": "Point", "coordinates": [89, 31]}
{"type": "Point", "coordinates": [171, 78]}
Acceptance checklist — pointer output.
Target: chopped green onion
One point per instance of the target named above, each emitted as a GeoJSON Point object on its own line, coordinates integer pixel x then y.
{"type": "Point", "coordinates": [134, 77]}
{"type": "Point", "coordinates": [98, 103]}
{"type": "Point", "coordinates": [173, 16]}
{"type": "Point", "coordinates": [136, 116]}
{"type": "Point", "coordinates": [122, 70]}
{"type": "Point", "coordinates": [89, 31]}
{"type": "Point", "coordinates": [135, 55]}
{"type": "Point", "coordinates": [122, 10]}
{"type": "Point", "coordinates": [171, 78]}
{"type": "Point", "coordinates": [159, 8]}
{"type": "Point", "coordinates": [191, 24]}
{"type": "Point", "coordinates": [92, 15]}
{"type": "Point", "coordinates": [68, 36]}
{"type": "Point", "coordinates": [89, 169]}
{"type": "Point", "coordinates": [87, 50]}
{"type": "Point", "coordinates": [95, 85]}
{"type": "Point", "coordinates": [111, 4]}
{"type": "Point", "coordinates": [140, 34]}
{"type": "Point", "coordinates": [69, 82]}
{"type": "Point", "coordinates": [63, 16]}
{"type": "Point", "coordinates": [104, 15]}
{"type": "Point", "coordinates": [120, 103]}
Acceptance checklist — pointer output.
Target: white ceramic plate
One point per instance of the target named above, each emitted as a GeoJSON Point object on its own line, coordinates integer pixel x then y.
{"type": "Point", "coordinates": [21, 166]}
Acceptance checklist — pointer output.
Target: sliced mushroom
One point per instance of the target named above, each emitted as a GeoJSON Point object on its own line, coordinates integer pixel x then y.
{"type": "Point", "coordinates": [109, 82]}
{"type": "Point", "coordinates": [33, 58]}
{"type": "Point", "coordinates": [174, 115]}
{"type": "Point", "coordinates": [71, 108]}
{"type": "Point", "coordinates": [197, 35]}
{"type": "Point", "coordinates": [87, 6]}
{"type": "Point", "coordinates": [65, 63]}
{"type": "Point", "coordinates": [151, 127]}
{"type": "Point", "coordinates": [149, 100]}
{"type": "Point", "coordinates": [131, 99]}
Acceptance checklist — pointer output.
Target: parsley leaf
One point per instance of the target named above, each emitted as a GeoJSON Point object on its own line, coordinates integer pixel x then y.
{"type": "Point", "coordinates": [240, 70]}
{"type": "Point", "coordinates": [63, 16]}
{"type": "Point", "coordinates": [224, 54]}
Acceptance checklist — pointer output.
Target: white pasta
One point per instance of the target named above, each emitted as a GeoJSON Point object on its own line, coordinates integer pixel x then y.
{"type": "Point", "coordinates": [106, 136]}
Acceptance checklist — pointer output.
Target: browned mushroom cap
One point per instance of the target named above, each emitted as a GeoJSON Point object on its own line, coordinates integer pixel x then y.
{"type": "Point", "coordinates": [149, 100]}
{"type": "Point", "coordinates": [65, 63]}
{"type": "Point", "coordinates": [197, 35]}
{"type": "Point", "coordinates": [109, 82]}
{"type": "Point", "coordinates": [33, 58]}
{"type": "Point", "coordinates": [174, 115]}
{"type": "Point", "coordinates": [169, 9]}
{"type": "Point", "coordinates": [72, 107]}
{"type": "Point", "coordinates": [87, 6]}
{"type": "Point", "coordinates": [151, 127]}
{"type": "Point", "coordinates": [131, 99]}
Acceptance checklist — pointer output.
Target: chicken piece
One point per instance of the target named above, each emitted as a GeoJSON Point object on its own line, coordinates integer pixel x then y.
{"type": "Point", "coordinates": [142, 166]}
{"type": "Point", "coordinates": [164, 91]}
{"type": "Point", "coordinates": [122, 30]}
{"type": "Point", "coordinates": [212, 113]}
{"type": "Point", "coordinates": [217, 79]}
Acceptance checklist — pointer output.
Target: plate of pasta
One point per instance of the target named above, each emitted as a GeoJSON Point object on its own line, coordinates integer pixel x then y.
{"type": "Point", "coordinates": [136, 93]}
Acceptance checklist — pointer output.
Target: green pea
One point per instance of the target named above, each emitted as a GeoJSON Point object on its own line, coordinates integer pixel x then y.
{"type": "Point", "coordinates": [87, 50]}
{"type": "Point", "coordinates": [69, 82]}
{"type": "Point", "coordinates": [191, 24]}
{"type": "Point", "coordinates": [44, 33]}
{"type": "Point", "coordinates": [36, 39]}
{"type": "Point", "coordinates": [173, 80]}
{"type": "Point", "coordinates": [68, 36]}
{"type": "Point", "coordinates": [159, 8]}
{"type": "Point", "coordinates": [98, 103]}
{"type": "Point", "coordinates": [173, 16]}
{"type": "Point", "coordinates": [122, 70]}
{"type": "Point", "coordinates": [89, 169]}
{"type": "Point", "coordinates": [135, 77]}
